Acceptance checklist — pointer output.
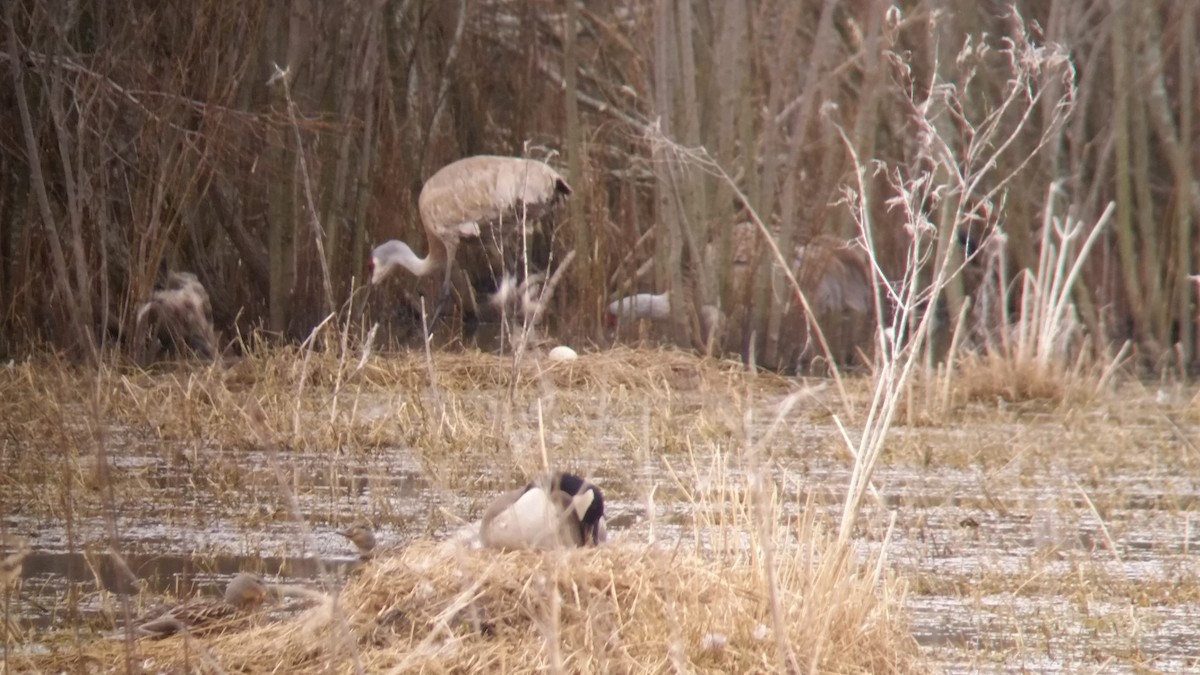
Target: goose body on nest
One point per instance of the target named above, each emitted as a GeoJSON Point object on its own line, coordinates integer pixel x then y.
{"type": "Point", "coordinates": [557, 511]}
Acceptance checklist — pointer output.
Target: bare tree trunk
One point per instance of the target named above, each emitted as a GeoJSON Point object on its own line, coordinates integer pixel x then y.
{"type": "Point", "coordinates": [731, 88]}
{"type": "Point", "coordinates": [789, 206]}
{"type": "Point", "coordinates": [367, 152]}
{"type": "Point", "coordinates": [361, 56]}
{"type": "Point", "coordinates": [1123, 123]}
{"type": "Point", "coordinates": [586, 276]}
{"type": "Point", "coordinates": [280, 215]}
{"type": "Point", "coordinates": [1177, 240]}
{"type": "Point", "coordinates": [1149, 236]}
{"type": "Point", "coordinates": [77, 321]}
{"type": "Point", "coordinates": [780, 65]}
{"type": "Point", "coordinates": [668, 242]}
{"type": "Point", "coordinates": [1187, 211]}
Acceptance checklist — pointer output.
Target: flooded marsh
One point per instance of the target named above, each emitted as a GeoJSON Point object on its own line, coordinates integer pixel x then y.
{"type": "Point", "coordinates": [1049, 537]}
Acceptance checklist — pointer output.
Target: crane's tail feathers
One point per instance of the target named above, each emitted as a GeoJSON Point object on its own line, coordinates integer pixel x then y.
{"type": "Point", "coordinates": [468, 229]}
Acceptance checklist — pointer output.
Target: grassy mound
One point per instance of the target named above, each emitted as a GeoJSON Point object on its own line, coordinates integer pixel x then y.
{"type": "Point", "coordinates": [618, 609]}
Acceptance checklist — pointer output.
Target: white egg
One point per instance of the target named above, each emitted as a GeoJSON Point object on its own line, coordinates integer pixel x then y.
{"type": "Point", "coordinates": [563, 353]}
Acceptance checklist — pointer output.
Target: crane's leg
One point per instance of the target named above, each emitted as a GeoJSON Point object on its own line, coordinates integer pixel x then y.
{"type": "Point", "coordinates": [443, 296]}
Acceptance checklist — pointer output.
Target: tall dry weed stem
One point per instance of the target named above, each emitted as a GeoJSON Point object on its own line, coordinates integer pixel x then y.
{"type": "Point", "coordinates": [956, 185]}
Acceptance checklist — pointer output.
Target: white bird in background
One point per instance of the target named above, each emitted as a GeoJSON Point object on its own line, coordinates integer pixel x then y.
{"type": "Point", "coordinates": [834, 275]}
{"type": "Point", "coordinates": [657, 307]}
{"type": "Point", "coordinates": [466, 199]}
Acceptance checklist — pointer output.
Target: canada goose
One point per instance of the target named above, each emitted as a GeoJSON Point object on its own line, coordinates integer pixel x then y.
{"type": "Point", "coordinates": [245, 593]}
{"type": "Point", "coordinates": [557, 511]}
{"type": "Point", "coordinates": [483, 197]}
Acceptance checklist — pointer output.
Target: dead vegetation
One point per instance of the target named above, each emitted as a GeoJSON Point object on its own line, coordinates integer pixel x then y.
{"type": "Point", "coordinates": [725, 523]}
{"type": "Point", "coordinates": [638, 605]}
{"type": "Point", "coordinates": [621, 608]}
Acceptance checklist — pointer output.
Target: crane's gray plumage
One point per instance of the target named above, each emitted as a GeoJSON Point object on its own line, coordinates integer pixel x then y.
{"type": "Point", "coordinates": [655, 306]}
{"type": "Point", "coordinates": [464, 200]}
{"type": "Point", "coordinates": [834, 275]}
{"type": "Point", "coordinates": [182, 313]}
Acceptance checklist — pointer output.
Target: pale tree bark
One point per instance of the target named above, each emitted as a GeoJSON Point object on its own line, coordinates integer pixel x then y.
{"type": "Point", "coordinates": [1187, 211]}
{"type": "Point", "coordinates": [731, 96]}
{"type": "Point", "coordinates": [666, 57]}
{"type": "Point", "coordinates": [358, 67]}
{"type": "Point", "coordinates": [587, 246]}
{"type": "Point", "coordinates": [1149, 236]}
{"type": "Point", "coordinates": [789, 199]}
{"type": "Point", "coordinates": [1120, 27]}
{"type": "Point", "coordinates": [76, 320]}
{"type": "Point", "coordinates": [1178, 255]}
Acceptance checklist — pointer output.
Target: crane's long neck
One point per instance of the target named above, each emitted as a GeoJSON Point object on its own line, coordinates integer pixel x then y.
{"type": "Point", "coordinates": [434, 260]}
{"type": "Point", "coordinates": [423, 266]}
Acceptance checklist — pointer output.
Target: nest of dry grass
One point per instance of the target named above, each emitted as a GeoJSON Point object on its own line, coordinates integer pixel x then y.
{"type": "Point", "coordinates": [441, 607]}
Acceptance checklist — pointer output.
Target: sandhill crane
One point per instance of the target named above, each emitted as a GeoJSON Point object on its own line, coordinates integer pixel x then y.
{"type": "Point", "coordinates": [657, 307]}
{"type": "Point", "coordinates": [834, 276]}
{"type": "Point", "coordinates": [561, 510]}
{"type": "Point", "coordinates": [485, 198]}
{"type": "Point", "coordinates": [182, 315]}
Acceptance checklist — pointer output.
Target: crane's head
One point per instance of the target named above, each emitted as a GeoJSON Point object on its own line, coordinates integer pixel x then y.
{"type": "Point", "coordinates": [385, 257]}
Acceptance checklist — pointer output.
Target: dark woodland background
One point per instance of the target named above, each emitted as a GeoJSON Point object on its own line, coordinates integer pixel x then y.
{"type": "Point", "coordinates": [143, 136]}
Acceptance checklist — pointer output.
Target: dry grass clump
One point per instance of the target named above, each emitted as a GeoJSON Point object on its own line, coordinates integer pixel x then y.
{"type": "Point", "coordinates": [995, 377]}
{"type": "Point", "coordinates": [619, 366]}
{"type": "Point", "coordinates": [317, 398]}
{"type": "Point", "coordinates": [441, 607]}
{"type": "Point", "coordinates": [291, 367]}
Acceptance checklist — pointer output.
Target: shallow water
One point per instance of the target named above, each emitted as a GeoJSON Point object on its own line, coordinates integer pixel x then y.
{"type": "Point", "coordinates": [1048, 542]}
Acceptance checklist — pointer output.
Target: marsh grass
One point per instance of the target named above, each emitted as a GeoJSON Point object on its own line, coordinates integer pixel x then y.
{"type": "Point", "coordinates": [729, 485]}
{"type": "Point", "coordinates": [779, 602]}
{"type": "Point", "coordinates": [624, 608]}
{"type": "Point", "coordinates": [1038, 350]}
